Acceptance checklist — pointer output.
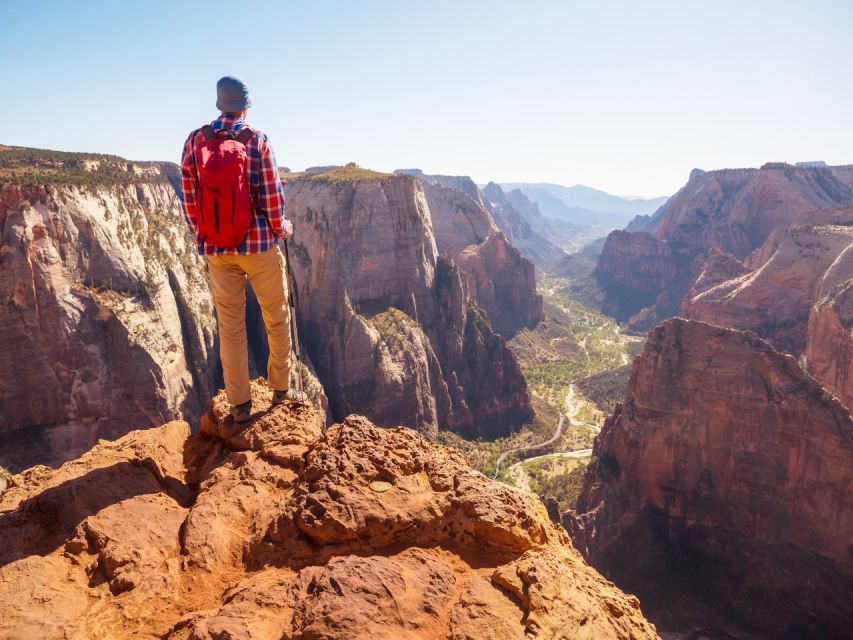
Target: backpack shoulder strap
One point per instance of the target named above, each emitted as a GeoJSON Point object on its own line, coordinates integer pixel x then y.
{"type": "Point", "coordinates": [245, 134]}
{"type": "Point", "coordinates": [208, 132]}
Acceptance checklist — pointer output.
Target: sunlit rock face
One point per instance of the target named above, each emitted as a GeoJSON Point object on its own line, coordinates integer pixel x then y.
{"type": "Point", "coordinates": [775, 297]}
{"type": "Point", "coordinates": [390, 325]}
{"type": "Point", "coordinates": [647, 274]}
{"type": "Point", "coordinates": [728, 470]}
{"type": "Point", "coordinates": [106, 322]}
{"type": "Point", "coordinates": [829, 351]}
{"type": "Point", "coordinates": [282, 530]}
{"type": "Point", "coordinates": [500, 280]}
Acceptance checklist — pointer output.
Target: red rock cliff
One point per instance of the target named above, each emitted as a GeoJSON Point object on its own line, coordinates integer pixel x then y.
{"type": "Point", "coordinates": [775, 298]}
{"type": "Point", "coordinates": [500, 280]}
{"type": "Point", "coordinates": [106, 321]}
{"type": "Point", "coordinates": [829, 353]}
{"type": "Point", "coordinates": [734, 452]}
{"type": "Point", "coordinates": [733, 211]}
{"type": "Point", "coordinates": [389, 325]}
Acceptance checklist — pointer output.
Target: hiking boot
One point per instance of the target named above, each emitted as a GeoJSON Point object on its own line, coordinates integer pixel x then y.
{"type": "Point", "coordinates": [291, 394]}
{"type": "Point", "coordinates": [242, 412]}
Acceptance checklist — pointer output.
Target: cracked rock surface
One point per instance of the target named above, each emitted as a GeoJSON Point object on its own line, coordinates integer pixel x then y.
{"type": "Point", "coordinates": [273, 531]}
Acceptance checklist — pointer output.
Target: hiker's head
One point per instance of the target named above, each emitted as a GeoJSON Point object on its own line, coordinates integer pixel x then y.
{"type": "Point", "coordinates": [232, 95]}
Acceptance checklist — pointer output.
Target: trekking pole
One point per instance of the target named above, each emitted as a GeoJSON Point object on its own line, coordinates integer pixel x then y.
{"type": "Point", "coordinates": [292, 296]}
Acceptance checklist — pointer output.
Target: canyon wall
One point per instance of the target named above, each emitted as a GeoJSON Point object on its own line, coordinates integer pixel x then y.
{"type": "Point", "coordinates": [775, 298]}
{"type": "Point", "coordinates": [500, 280]}
{"type": "Point", "coordinates": [106, 321]}
{"type": "Point", "coordinates": [732, 211]}
{"type": "Point", "coordinates": [791, 292]}
{"type": "Point", "coordinates": [728, 464]}
{"type": "Point", "coordinates": [829, 351]}
{"type": "Point", "coordinates": [635, 269]}
{"type": "Point", "coordinates": [390, 324]}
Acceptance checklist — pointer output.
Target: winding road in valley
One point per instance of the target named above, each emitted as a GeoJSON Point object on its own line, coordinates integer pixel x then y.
{"type": "Point", "coordinates": [558, 432]}
{"type": "Point", "coordinates": [571, 410]}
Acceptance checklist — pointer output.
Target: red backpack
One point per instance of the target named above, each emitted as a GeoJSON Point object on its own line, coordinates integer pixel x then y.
{"type": "Point", "coordinates": [224, 200]}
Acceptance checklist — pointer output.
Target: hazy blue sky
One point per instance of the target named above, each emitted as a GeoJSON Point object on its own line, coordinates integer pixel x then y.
{"type": "Point", "coordinates": [624, 96]}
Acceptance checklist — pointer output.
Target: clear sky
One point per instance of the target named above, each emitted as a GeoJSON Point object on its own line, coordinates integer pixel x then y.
{"type": "Point", "coordinates": [623, 96]}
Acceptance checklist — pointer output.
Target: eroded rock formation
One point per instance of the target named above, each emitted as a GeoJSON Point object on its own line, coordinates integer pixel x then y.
{"type": "Point", "coordinates": [500, 280]}
{"type": "Point", "coordinates": [389, 324]}
{"type": "Point", "coordinates": [635, 269]}
{"type": "Point", "coordinates": [723, 485]}
{"type": "Point", "coordinates": [773, 299]}
{"type": "Point", "coordinates": [283, 531]}
{"type": "Point", "coordinates": [106, 321]}
{"type": "Point", "coordinates": [733, 211]}
{"type": "Point", "coordinates": [829, 351]}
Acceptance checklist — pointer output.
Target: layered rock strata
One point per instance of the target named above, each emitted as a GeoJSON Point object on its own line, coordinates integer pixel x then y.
{"type": "Point", "coordinates": [775, 298]}
{"type": "Point", "coordinates": [791, 291]}
{"type": "Point", "coordinates": [725, 467]}
{"type": "Point", "coordinates": [389, 324]}
{"type": "Point", "coordinates": [733, 211]}
{"type": "Point", "coordinates": [500, 280]}
{"type": "Point", "coordinates": [829, 351]}
{"type": "Point", "coordinates": [106, 321]}
{"type": "Point", "coordinates": [283, 531]}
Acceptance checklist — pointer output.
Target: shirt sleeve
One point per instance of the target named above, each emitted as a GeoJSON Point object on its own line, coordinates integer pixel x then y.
{"type": "Point", "coordinates": [270, 191]}
{"type": "Point", "coordinates": [189, 184]}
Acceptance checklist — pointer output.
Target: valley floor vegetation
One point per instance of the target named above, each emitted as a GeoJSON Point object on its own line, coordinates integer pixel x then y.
{"type": "Point", "coordinates": [576, 363]}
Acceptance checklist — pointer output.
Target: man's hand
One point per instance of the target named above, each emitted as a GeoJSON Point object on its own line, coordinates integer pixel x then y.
{"type": "Point", "coordinates": [287, 230]}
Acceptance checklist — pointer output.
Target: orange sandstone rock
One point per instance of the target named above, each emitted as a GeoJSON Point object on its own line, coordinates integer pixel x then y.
{"type": "Point", "coordinates": [275, 532]}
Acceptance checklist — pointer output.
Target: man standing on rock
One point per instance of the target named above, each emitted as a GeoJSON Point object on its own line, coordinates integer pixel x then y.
{"type": "Point", "coordinates": [234, 205]}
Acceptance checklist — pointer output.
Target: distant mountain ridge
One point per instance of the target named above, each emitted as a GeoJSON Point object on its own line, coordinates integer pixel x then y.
{"type": "Point", "coordinates": [585, 205]}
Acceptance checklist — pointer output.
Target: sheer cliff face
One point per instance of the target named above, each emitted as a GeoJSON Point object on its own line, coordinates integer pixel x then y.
{"type": "Point", "coordinates": [775, 298]}
{"type": "Point", "coordinates": [106, 321]}
{"type": "Point", "coordinates": [388, 324]}
{"type": "Point", "coordinates": [282, 532]}
{"type": "Point", "coordinates": [637, 271]}
{"type": "Point", "coordinates": [509, 214]}
{"type": "Point", "coordinates": [792, 292]}
{"type": "Point", "coordinates": [499, 279]}
{"type": "Point", "coordinates": [725, 449]}
{"type": "Point", "coordinates": [829, 351]}
{"type": "Point", "coordinates": [732, 211]}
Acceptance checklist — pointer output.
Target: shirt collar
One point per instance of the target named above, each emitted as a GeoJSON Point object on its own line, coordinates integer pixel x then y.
{"type": "Point", "coordinates": [228, 120]}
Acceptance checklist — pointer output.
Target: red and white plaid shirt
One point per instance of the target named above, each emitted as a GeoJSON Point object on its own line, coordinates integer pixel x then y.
{"type": "Point", "coordinates": [264, 182]}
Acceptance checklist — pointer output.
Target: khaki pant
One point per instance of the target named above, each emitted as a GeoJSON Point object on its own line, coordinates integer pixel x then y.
{"type": "Point", "coordinates": [266, 272]}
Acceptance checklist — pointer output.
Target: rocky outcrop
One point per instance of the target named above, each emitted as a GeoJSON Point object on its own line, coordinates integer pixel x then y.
{"type": "Point", "coordinates": [106, 321]}
{"type": "Point", "coordinates": [283, 531]}
{"type": "Point", "coordinates": [388, 324]}
{"type": "Point", "coordinates": [775, 298]}
{"type": "Point", "coordinates": [532, 245]}
{"type": "Point", "coordinates": [727, 471]}
{"type": "Point", "coordinates": [503, 284]}
{"type": "Point", "coordinates": [636, 270]}
{"type": "Point", "coordinates": [829, 351]}
{"type": "Point", "coordinates": [458, 219]}
{"type": "Point", "coordinates": [500, 280]}
{"type": "Point", "coordinates": [732, 211]}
